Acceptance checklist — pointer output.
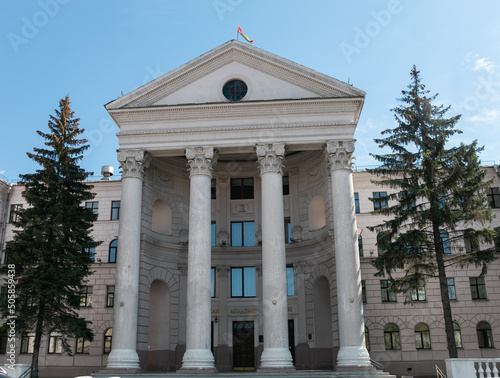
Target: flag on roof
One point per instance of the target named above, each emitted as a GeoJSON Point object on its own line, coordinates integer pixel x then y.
{"type": "Point", "coordinates": [243, 35]}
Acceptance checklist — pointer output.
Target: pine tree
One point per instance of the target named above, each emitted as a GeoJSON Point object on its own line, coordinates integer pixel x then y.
{"type": "Point", "coordinates": [49, 251]}
{"type": "Point", "coordinates": [441, 198]}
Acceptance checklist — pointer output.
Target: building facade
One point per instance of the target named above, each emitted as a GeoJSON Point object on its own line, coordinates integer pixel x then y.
{"type": "Point", "coordinates": [236, 238]}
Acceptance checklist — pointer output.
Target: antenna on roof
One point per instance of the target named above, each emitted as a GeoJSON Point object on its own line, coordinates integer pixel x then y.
{"type": "Point", "coordinates": [348, 80]}
{"type": "Point", "coordinates": [122, 92]}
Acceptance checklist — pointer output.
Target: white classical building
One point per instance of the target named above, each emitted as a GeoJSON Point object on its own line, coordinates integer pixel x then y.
{"type": "Point", "coordinates": [237, 236]}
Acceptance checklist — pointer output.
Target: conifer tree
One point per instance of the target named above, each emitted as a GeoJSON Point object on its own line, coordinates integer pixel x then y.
{"type": "Point", "coordinates": [49, 251]}
{"type": "Point", "coordinates": [440, 205]}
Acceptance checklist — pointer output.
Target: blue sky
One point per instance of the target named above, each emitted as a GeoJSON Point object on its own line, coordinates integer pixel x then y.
{"type": "Point", "coordinates": [95, 50]}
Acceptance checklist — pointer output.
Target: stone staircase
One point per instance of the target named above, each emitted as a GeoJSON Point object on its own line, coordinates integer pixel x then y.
{"type": "Point", "coordinates": [297, 374]}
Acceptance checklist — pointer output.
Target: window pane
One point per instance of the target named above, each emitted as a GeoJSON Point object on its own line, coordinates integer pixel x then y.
{"type": "Point", "coordinates": [249, 234]}
{"type": "Point", "coordinates": [236, 234]}
{"type": "Point", "coordinates": [451, 288]}
{"type": "Point", "coordinates": [289, 281]}
{"type": "Point", "coordinates": [236, 282]}
{"type": "Point", "coordinates": [249, 281]}
{"type": "Point", "coordinates": [248, 188]}
{"type": "Point", "coordinates": [212, 229]}
{"type": "Point", "coordinates": [212, 282]}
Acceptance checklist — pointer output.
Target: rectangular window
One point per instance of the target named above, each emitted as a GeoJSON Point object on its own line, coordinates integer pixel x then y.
{"type": "Point", "coordinates": [243, 282]}
{"type": "Point", "coordinates": [14, 217]}
{"type": "Point", "coordinates": [387, 295]}
{"type": "Point", "coordinates": [408, 203]}
{"type": "Point", "coordinates": [3, 295]}
{"type": "Point", "coordinates": [115, 210]}
{"type": "Point", "coordinates": [110, 296]}
{"type": "Point", "coordinates": [242, 188]}
{"type": "Point", "coordinates": [418, 295]}
{"type": "Point", "coordinates": [477, 287]}
{"type": "Point", "coordinates": [452, 293]}
{"type": "Point", "coordinates": [27, 343]}
{"type": "Point", "coordinates": [82, 346]}
{"type": "Point", "coordinates": [213, 189]}
{"type": "Point", "coordinates": [290, 289]}
{"type": "Point", "coordinates": [55, 343]}
{"type": "Point", "coordinates": [242, 234]}
{"type": "Point", "coordinates": [212, 234]}
{"type": "Point", "coordinates": [363, 290]}
{"type": "Point", "coordinates": [494, 197]}
{"type": "Point", "coordinates": [288, 231]}
{"type": "Point", "coordinates": [212, 283]}
{"type": "Point", "coordinates": [380, 200]}
{"type": "Point", "coordinates": [356, 203]}
{"type": "Point", "coordinates": [90, 250]}
{"type": "Point", "coordinates": [286, 185]}
{"type": "Point", "coordinates": [94, 206]}
{"type": "Point", "coordinates": [86, 296]}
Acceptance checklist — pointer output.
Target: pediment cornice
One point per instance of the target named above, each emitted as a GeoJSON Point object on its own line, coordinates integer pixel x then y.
{"type": "Point", "coordinates": [234, 51]}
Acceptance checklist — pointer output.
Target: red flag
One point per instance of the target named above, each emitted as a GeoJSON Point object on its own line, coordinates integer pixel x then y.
{"type": "Point", "coordinates": [243, 35]}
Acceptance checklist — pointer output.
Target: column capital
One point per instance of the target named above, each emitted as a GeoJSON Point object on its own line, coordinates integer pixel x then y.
{"type": "Point", "coordinates": [201, 160]}
{"type": "Point", "coordinates": [223, 270]}
{"type": "Point", "coordinates": [183, 269]}
{"type": "Point", "coordinates": [133, 162]}
{"type": "Point", "coordinates": [339, 154]}
{"type": "Point", "coordinates": [270, 157]}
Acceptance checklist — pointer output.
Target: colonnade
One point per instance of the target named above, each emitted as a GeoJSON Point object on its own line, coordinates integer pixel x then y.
{"type": "Point", "coordinates": [276, 355]}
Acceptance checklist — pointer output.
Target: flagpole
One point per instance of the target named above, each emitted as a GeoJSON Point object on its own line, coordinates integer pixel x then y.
{"type": "Point", "coordinates": [237, 34]}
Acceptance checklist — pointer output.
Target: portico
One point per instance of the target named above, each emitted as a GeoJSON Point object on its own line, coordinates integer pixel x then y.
{"type": "Point", "coordinates": [191, 147]}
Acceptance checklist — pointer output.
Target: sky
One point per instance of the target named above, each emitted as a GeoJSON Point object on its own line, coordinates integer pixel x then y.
{"type": "Point", "coordinates": [94, 51]}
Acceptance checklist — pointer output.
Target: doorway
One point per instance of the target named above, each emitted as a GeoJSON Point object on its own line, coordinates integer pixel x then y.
{"type": "Point", "coordinates": [243, 346]}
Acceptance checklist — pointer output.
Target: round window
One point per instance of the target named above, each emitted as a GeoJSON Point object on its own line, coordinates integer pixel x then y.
{"type": "Point", "coordinates": [234, 90]}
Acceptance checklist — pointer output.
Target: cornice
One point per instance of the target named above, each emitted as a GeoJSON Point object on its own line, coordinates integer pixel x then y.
{"type": "Point", "coordinates": [220, 111]}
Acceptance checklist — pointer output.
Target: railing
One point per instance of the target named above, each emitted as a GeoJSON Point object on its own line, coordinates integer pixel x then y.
{"type": "Point", "coordinates": [26, 374]}
{"type": "Point", "coordinates": [439, 373]}
{"type": "Point", "coordinates": [377, 365]}
{"type": "Point", "coordinates": [472, 367]}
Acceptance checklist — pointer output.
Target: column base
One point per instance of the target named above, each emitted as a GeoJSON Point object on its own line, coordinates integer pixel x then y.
{"type": "Point", "coordinates": [353, 358]}
{"type": "Point", "coordinates": [123, 359]}
{"type": "Point", "coordinates": [197, 361]}
{"type": "Point", "coordinates": [276, 360]}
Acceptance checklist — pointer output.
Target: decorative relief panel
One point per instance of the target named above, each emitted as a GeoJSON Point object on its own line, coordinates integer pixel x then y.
{"type": "Point", "coordinates": [162, 180]}
{"type": "Point", "coordinates": [244, 208]}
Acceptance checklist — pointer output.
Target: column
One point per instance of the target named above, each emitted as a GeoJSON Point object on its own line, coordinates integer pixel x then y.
{"type": "Point", "coordinates": [124, 354]}
{"type": "Point", "coordinates": [352, 353]}
{"type": "Point", "coordinates": [276, 355]}
{"type": "Point", "coordinates": [198, 356]}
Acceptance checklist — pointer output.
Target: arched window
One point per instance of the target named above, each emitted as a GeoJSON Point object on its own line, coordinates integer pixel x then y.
{"type": "Point", "coordinates": [391, 337]}
{"type": "Point", "coordinates": [360, 245]}
{"type": "Point", "coordinates": [108, 338]}
{"type": "Point", "coordinates": [484, 335]}
{"type": "Point", "coordinates": [162, 218]}
{"type": "Point", "coordinates": [457, 334]}
{"type": "Point", "coordinates": [316, 212]}
{"type": "Point", "coordinates": [445, 241]}
{"type": "Point", "coordinates": [113, 249]}
{"type": "Point", "coordinates": [422, 336]}
{"type": "Point", "coordinates": [367, 339]}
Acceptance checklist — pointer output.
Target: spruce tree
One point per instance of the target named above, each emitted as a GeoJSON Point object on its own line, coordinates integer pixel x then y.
{"type": "Point", "coordinates": [48, 251]}
{"type": "Point", "coordinates": [441, 201]}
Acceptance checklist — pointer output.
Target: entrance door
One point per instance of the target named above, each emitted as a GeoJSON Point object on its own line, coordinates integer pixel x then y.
{"type": "Point", "coordinates": [243, 346]}
{"type": "Point", "coordinates": [291, 339]}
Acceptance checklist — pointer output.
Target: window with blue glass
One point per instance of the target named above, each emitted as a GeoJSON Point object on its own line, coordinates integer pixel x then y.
{"type": "Point", "coordinates": [290, 289]}
{"type": "Point", "coordinates": [243, 282]}
{"type": "Point", "coordinates": [242, 234]}
{"type": "Point", "coordinates": [288, 231]}
{"type": "Point", "coordinates": [113, 248]}
{"type": "Point", "coordinates": [445, 241]}
{"type": "Point", "coordinates": [356, 203]}
{"type": "Point", "coordinates": [212, 282]}
{"type": "Point", "coordinates": [380, 200]}
{"type": "Point", "coordinates": [212, 232]}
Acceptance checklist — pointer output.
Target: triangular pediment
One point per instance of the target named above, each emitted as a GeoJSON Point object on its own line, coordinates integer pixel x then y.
{"type": "Point", "coordinates": [267, 76]}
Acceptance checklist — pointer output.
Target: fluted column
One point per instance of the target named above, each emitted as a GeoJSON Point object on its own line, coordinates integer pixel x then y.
{"type": "Point", "coordinates": [198, 356]}
{"type": "Point", "coordinates": [352, 353]}
{"type": "Point", "coordinates": [276, 355]}
{"type": "Point", "coordinates": [124, 355]}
